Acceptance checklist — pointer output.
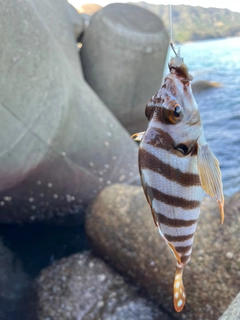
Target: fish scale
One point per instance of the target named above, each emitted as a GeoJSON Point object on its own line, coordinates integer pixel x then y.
{"type": "Point", "coordinates": [176, 167]}
{"type": "Point", "coordinates": [174, 222]}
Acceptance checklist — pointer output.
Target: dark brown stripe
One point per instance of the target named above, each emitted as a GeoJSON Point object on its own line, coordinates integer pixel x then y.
{"type": "Point", "coordinates": [182, 249]}
{"type": "Point", "coordinates": [161, 139]}
{"type": "Point", "coordinates": [171, 200]}
{"type": "Point", "coordinates": [171, 238]}
{"type": "Point", "coordinates": [149, 111]}
{"type": "Point", "coordinates": [156, 101]}
{"type": "Point", "coordinates": [153, 104]}
{"type": "Point", "coordinates": [186, 258]}
{"type": "Point", "coordinates": [159, 114]}
{"type": "Point", "coordinates": [194, 151]}
{"type": "Point", "coordinates": [174, 222]}
{"type": "Point", "coordinates": [181, 72]}
{"type": "Point", "coordinates": [149, 161]}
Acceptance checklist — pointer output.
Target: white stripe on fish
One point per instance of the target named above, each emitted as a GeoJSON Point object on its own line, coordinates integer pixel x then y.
{"type": "Point", "coordinates": [179, 231]}
{"type": "Point", "coordinates": [175, 212]}
{"type": "Point", "coordinates": [172, 188]}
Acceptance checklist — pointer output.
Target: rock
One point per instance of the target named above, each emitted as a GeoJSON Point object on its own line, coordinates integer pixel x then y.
{"type": "Point", "coordinates": [77, 21]}
{"type": "Point", "coordinates": [12, 278]}
{"type": "Point", "coordinates": [202, 85]}
{"type": "Point", "coordinates": [59, 143]}
{"type": "Point", "coordinates": [14, 284]}
{"type": "Point", "coordinates": [233, 311]}
{"type": "Point", "coordinates": [123, 56]}
{"type": "Point", "coordinates": [83, 287]}
{"type": "Point", "coordinates": [121, 229]}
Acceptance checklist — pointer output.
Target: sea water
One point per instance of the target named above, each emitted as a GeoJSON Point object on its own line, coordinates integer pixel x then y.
{"type": "Point", "coordinates": [219, 61]}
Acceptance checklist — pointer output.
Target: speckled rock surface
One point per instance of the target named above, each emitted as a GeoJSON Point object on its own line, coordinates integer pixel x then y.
{"type": "Point", "coordinates": [233, 311]}
{"type": "Point", "coordinates": [123, 56]}
{"type": "Point", "coordinates": [122, 231]}
{"type": "Point", "coordinates": [82, 287]}
{"type": "Point", "coordinates": [59, 143]}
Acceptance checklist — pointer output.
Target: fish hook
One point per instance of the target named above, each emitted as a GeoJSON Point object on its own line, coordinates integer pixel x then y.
{"type": "Point", "coordinates": [173, 49]}
{"type": "Point", "coordinates": [177, 54]}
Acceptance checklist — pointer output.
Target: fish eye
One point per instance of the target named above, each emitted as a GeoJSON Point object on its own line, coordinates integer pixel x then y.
{"type": "Point", "coordinates": [177, 111]}
{"type": "Point", "coordinates": [173, 114]}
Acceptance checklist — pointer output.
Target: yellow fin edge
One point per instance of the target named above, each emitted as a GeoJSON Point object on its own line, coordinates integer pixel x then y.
{"type": "Point", "coordinates": [210, 176]}
{"type": "Point", "coordinates": [138, 136]}
{"type": "Point", "coordinates": [171, 246]}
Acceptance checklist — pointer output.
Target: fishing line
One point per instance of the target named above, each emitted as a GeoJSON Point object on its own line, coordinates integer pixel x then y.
{"type": "Point", "coordinates": [171, 29]}
{"type": "Point", "coordinates": [170, 24]}
{"type": "Point", "coordinates": [171, 32]}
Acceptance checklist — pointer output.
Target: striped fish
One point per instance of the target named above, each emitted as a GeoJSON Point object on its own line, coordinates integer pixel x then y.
{"type": "Point", "coordinates": [176, 167]}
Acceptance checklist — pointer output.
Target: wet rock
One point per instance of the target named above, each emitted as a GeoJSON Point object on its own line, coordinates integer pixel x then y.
{"type": "Point", "coordinates": [14, 285]}
{"type": "Point", "coordinates": [123, 56]}
{"type": "Point", "coordinates": [201, 85]}
{"type": "Point", "coordinates": [122, 231]}
{"type": "Point", "coordinates": [233, 311]}
{"type": "Point", "coordinates": [59, 143]}
{"type": "Point", "coordinates": [83, 287]}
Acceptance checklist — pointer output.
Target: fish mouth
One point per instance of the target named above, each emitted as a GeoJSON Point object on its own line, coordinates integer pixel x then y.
{"type": "Point", "coordinates": [184, 149]}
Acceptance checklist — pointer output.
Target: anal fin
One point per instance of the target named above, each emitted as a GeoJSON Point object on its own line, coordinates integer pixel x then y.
{"type": "Point", "coordinates": [171, 246]}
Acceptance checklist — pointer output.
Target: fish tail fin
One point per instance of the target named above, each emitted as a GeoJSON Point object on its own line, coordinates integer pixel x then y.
{"type": "Point", "coordinates": [179, 296]}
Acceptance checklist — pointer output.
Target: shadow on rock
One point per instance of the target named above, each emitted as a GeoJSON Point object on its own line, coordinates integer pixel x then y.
{"type": "Point", "coordinates": [15, 288]}
{"type": "Point", "coordinates": [39, 245]}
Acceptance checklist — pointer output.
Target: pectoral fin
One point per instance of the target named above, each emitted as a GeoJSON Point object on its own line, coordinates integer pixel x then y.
{"type": "Point", "coordinates": [138, 136]}
{"type": "Point", "coordinates": [210, 175]}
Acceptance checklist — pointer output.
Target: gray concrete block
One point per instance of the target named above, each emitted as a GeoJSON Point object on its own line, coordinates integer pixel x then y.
{"type": "Point", "coordinates": [123, 56]}
{"type": "Point", "coordinates": [233, 311]}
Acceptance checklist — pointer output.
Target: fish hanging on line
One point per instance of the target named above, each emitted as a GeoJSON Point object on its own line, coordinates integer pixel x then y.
{"type": "Point", "coordinates": [176, 166]}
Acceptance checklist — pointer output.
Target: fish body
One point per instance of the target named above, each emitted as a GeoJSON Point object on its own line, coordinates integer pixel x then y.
{"type": "Point", "coordinates": [176, 166]}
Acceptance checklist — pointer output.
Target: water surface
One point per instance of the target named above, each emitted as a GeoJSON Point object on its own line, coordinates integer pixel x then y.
{"type": "Point", "coordinates": [219, 61]}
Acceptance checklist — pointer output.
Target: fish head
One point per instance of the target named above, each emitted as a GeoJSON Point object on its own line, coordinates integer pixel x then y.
{"type": "Point", "coordinates": [174, 110]}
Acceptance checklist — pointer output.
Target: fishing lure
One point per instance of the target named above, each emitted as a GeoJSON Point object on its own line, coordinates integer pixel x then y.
{"type": "Point", "coordinates": [176, 166]}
